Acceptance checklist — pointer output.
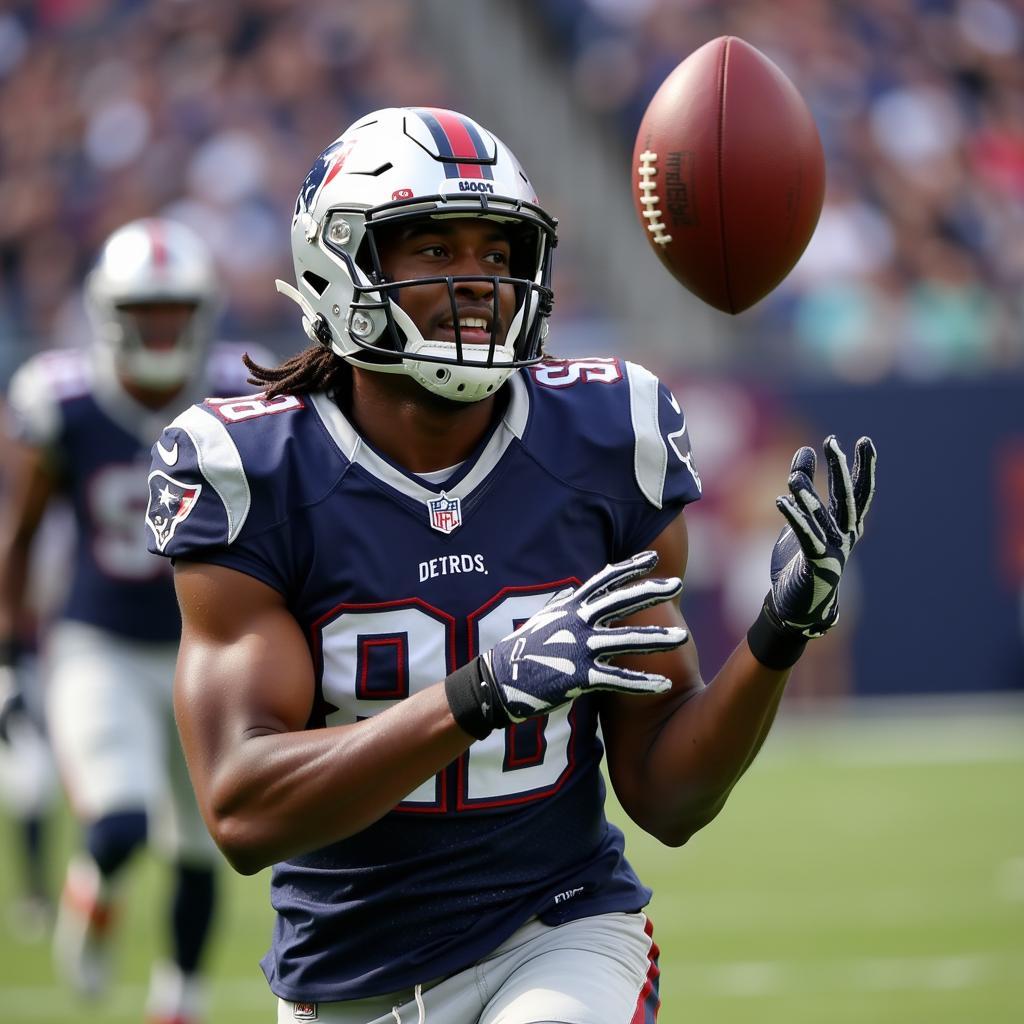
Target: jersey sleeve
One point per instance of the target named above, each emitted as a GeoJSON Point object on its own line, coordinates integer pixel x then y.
{"type": "Point", "coordinates": [201, 502]}
{"type": "Point", "coordinates": [664, 471]}
{"type": "Point", "coordinates": [615, 434]}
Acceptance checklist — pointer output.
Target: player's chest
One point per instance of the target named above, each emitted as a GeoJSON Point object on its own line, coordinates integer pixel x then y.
{"type": "Point", "coordinates": [460, 561]}
{"type": "Point", "coordinates": [395, 604]}
{"type": "Point", "coordinates": [103, 463]}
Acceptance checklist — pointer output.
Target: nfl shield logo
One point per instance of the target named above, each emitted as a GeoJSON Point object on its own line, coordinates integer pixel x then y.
{"type": "Point", "coordinates": [445, 513]}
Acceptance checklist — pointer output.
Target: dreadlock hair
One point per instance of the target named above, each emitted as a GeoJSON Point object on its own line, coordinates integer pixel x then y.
{"type": "Point", "coordinates": [313, 369]}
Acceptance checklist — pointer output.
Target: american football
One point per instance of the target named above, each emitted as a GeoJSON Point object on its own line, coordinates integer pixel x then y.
{"type": "Point", "coordinates": [728, 174]}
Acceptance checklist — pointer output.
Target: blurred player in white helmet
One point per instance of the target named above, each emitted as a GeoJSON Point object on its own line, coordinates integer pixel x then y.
{"type": "Point", "coordinates": [83, 422]}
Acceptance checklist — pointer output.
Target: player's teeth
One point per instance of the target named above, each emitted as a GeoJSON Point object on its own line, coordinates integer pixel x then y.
{"type": "Point", "coordinates": [472, 321]}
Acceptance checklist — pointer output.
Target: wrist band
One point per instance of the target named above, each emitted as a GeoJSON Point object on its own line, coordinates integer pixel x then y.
{"type": "Point", "coordinates": [470, 696]}
{"type": "Point", "coordinates": [772, 642]}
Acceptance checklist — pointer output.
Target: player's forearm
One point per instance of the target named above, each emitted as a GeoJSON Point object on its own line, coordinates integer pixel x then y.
{"type": "Point", "coordinates": [13, 582]}
{"type": "Point", "coordinates": [706, 745]}
{"type": "Point", "coordinates": [277, 795]}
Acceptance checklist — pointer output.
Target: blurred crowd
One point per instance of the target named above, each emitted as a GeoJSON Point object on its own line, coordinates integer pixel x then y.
{"type": "Point", "coordinates": [208, 112]}
{"type": "Point", "coordinates": [212, 112]}
{"type": "Point", "coordinates": [917, 266]}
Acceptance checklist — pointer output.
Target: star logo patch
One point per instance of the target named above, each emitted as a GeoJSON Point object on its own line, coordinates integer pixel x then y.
{"type": "Point", "coordinates": [170, 503]}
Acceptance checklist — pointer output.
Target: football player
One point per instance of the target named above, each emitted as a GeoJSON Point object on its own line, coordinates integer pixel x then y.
{"type": "Point", "coordinates": [415, 580]}
{"type": "Point", "coordinates": [28, 785]}
{"type": "Point", "coordinates": [85, 420]}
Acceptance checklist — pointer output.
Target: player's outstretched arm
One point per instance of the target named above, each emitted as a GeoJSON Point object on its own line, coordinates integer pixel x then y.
{"type": "Point", "coordinates": [26, 489]}
{"type": "Point", "coordinates": [674, 759]}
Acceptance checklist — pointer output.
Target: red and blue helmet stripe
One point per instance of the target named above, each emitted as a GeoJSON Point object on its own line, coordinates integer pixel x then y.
{"type": "Point", "coordinates": [459, 143]}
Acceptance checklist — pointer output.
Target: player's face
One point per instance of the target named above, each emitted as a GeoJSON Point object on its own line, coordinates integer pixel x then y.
{"type": "Point", "coordinates": [451, 248]}
{"type": "Point", "coordinates": [159, 324]}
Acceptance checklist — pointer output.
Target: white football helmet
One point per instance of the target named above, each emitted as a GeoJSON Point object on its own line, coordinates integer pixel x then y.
{"type": "Point", "coordinates": [390, 167]}
{"type": "Point", "coordinates": [153, 260]}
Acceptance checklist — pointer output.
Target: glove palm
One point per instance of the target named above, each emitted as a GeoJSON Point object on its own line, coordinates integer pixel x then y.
{"type": "Point", "coordinates": [812, 551]}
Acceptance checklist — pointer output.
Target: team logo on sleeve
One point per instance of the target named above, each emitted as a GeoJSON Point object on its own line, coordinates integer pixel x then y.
{"type": "Point", "coordinates": [170, 503]}
{"type": "Point", "coordinates": [445, 513]}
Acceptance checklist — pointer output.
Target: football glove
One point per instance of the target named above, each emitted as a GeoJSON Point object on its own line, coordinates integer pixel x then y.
{"type": "Point", "coordinates": [811, 553]}
{"type": "Point", "coordinates": [12, 702]}
{"type": "Point", "coordinates": [563, 650]}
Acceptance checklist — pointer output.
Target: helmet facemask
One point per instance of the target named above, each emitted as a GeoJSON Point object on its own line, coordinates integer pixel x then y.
{"type": "Point", "coordinates": [463, 369]}
{"type": "Point", "coordinates": [146, 363]}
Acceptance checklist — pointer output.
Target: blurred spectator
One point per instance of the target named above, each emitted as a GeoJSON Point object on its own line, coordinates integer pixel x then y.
{"type": "Point", "coordinates": [212, 113]}
{"type": "Point", "coordinates": [917, 267]}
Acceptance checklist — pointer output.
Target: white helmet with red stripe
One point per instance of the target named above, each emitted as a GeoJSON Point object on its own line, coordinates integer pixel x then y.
{"type": "Point", "coordinates": [390, 167]}
{"type": "Point", "coordinates": [149, 262]}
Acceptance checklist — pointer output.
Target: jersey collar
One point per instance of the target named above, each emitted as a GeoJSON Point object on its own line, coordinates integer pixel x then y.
{"type": "Point", "coordinates": [469, 477]}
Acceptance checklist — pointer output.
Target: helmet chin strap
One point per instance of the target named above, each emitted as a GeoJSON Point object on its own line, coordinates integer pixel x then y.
{"type": "Point", "coordinates": [469, 381]}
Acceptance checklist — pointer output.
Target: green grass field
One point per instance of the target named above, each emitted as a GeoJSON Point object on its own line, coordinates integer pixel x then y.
{"type": "Point", "coordinates": [867, 870]}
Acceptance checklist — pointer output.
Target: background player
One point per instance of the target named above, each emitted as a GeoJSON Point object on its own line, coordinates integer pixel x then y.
{"type": "Point", "coordinates": [28, 780]}
{"type": "Point", "coordinates": [85, 420]}
{"type": "Point", "coordinates": [349, 543]}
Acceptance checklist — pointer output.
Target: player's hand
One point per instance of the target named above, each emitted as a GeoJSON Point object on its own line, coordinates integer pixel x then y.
{"type": "Point", "coordinates": [564, 649]}
{"type": "Point", "coordinates": [12, 702]}
{"type": "Point", "coordinates": [811, 553]}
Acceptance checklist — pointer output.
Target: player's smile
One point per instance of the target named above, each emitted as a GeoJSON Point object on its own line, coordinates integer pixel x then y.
{"type": "Point", "coordinates": [474, 325]}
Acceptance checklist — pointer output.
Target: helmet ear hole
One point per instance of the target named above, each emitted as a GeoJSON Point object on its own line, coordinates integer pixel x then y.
{"type": "Point", "coordinates": [316, 282]}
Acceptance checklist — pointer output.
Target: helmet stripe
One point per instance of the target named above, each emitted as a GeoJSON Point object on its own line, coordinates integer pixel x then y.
{"type": "Point", "coordinates": [456, 139]}
{"type": "Point", "coordinates": [156, 240]}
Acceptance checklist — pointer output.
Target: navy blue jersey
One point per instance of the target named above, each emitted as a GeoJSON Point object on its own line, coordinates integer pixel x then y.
{"type": "Point", "coordinates": [97, 439]}
{"type": "Point", "coordinates": [396, 583]}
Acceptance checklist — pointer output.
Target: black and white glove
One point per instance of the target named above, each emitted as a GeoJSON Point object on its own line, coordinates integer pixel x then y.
{"type": "Point", "coordinates": [812, 551]}
{"type": "Point", "coordinates": [562, 651]}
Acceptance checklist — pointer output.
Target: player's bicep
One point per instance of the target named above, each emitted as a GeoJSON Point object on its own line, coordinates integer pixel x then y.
{"type": "Point", "coordinates": [244, 668]}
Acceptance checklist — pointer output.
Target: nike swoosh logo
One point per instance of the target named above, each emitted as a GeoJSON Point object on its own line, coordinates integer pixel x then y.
{"type": "Point", "coordinates": [169, 455]}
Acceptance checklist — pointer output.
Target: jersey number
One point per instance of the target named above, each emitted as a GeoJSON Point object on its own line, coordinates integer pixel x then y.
{"type": "Point", "coordinates": [117, 508]}
{"type": "Point", "coordinates": [564, 373]}
{"type": "Point", "coordinates": [374, 655]}
{"type": "Point", "coordinates": [232, 410]}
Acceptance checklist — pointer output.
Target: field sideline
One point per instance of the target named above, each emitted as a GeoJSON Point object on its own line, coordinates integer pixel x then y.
{"type": "Point", "coordinates": [870, 868]}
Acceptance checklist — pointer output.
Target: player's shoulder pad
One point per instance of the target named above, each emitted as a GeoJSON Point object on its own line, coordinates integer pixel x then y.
{"type": "Point", "coordinates": [236, 467]}
{"type": "Point", "coordinates": [41, 386]}
{"type": "Point", "coordinates": [611, 426]}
